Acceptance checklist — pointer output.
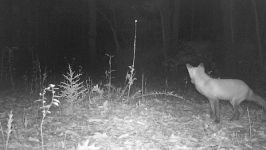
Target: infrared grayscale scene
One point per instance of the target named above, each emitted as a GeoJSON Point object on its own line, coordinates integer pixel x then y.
{"type": "Point", "coordinates": [132, 74]}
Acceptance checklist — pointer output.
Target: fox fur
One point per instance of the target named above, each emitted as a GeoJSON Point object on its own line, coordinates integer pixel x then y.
{"type": "Point", "coordinates": [233, 90]}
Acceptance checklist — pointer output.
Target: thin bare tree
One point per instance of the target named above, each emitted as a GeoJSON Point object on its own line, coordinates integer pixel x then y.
{"type": "Point", "coordinates": [258, 36]}
{"type": "Point", "coordinates": [92, 32]}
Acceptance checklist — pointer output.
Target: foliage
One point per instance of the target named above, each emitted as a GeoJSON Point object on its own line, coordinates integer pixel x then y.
{"type": "Point", "coordinates": [8, 131]}
{"type": "Point", "coordinates": [72, 88]}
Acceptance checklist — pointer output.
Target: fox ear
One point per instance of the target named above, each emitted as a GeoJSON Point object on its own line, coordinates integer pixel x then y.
{"type": "Point", "coordinates": [201, 65]}
{"type": "Point", "coordinates": [188, 66]}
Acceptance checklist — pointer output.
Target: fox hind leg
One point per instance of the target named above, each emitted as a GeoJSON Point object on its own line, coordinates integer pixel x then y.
{"type": "Point", "coordinates": [236, 113]}
{"type": "Point", "coordinates": [215, 110]}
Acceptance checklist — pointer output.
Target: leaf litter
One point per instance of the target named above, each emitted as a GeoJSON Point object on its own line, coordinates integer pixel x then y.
{"type": "Point", "coordinates": [153, 124]}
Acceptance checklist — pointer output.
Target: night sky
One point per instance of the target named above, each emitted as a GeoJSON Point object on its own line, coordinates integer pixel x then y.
{"type": "Point", "coordinates": [81, 32]}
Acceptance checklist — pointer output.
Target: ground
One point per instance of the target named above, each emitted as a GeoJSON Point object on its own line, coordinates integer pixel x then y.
{"type": "Point", "coordinates": [153, 122]}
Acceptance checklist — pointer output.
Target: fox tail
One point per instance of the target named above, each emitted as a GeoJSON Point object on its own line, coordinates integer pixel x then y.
{"type": "Point", "coordinates": [258, 99]}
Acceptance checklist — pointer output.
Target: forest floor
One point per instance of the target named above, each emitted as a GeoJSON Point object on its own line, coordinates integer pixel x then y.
{"type": "Point", "coordinates": [154, 122]}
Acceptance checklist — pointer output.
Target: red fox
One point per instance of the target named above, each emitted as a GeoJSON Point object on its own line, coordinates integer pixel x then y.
{"type": "Point", "coordinates": [233, 90]}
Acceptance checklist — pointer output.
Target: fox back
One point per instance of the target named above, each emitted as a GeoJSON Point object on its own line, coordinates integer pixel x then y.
{"type": "Point", "coordinates": [224, 89]}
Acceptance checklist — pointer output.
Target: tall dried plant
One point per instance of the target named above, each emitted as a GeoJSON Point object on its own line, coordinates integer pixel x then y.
{"type": "Point", "coordinates": [130, 77]}
{"type": "Point", "coordinates": [46, 106]}
{"type": "Point", "coordinates": [108, 75]}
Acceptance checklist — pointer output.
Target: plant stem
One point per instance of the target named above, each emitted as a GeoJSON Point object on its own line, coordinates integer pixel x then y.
{"type": "Point", "coordinates": [41, 132]}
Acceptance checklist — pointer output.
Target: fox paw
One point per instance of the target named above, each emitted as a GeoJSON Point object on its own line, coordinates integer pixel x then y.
{"type": "Point", "coordinates": [234, 117]}
{"type": "Point", "coordinates": [216, 120]}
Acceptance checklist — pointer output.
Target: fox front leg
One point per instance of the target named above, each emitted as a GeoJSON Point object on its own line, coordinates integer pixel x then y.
{"type": "Point", "coordinates": [217, 111]}
{"type": "Point", "coordinates": [212, 113]}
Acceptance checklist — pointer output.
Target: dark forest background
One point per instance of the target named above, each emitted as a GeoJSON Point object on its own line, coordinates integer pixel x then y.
{"type": "Point", "coordinates": [228, 36]}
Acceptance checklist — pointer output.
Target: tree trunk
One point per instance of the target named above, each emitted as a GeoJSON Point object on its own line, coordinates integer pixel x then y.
{"type": "Point", "coordinates": [231, 22]}
{"type": "Point", "coordinates": [164, 36]}
{"type": "Point", "coordinates": [165, 14]}
{"type": "Point", "coordinates": [113, 29]}
{"type": "Point", "coordinates": [175, 33]}
{"type": "Point", "coordinates": [113, 26]}
{"type": "Point", "coordinates": [261, 61]}
{"type": "Point", "coordinates": [228, 33]}
{"type": "Point", "coordinates": [119, 55]}
{"type": "Point", "coordinates": [165, 26]}
{"type": "Point", "coordinates": [92, 34]}
{"type": "Point", "coordinates": [192, 20]}
{"type": "Point", "coordinates": [228, 26]}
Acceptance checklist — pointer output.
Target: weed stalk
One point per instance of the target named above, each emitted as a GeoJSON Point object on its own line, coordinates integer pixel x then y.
{"type": "Point", "coordinates": [9, 128]}
{"type": "Point", "coordinates": [250, 126]}
{"type": "Point", "coordinates": [130, 76]}
{"type": "Point", "coordinates": [108, 75]}
{"type": "Point", "coordinates": [3, 136]}
{"type": "Point", "coordinates": [46, 107]}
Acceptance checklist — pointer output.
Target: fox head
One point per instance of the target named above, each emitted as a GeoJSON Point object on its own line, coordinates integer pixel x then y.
{"type": "Point", "coordinates": [194, 72]}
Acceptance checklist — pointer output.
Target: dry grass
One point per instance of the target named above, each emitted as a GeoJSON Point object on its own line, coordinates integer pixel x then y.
{"type": "Point", "coordinates": [159, 122]}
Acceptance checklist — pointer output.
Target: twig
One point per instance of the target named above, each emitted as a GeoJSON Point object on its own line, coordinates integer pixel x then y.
{"type": "Point", "coordinates": [108, 75]}
{"type": "Point", "coordinates": [3, 135]}
{"type": "Point", "coordinates": [250, 126]}
{"type": "Point", "coordinates": [142, 86]}
{"type": "Point", "coordinates": [160, 93]}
